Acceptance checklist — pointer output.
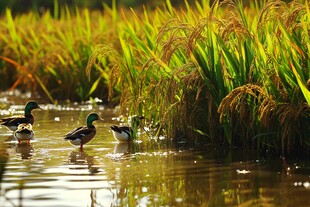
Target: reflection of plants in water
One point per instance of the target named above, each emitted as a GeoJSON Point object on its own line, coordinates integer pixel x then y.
{"type": "Point", "coordinates": [152, 178]}
{"type": "Point", "coordinates": [94, 199]}
{"type": "Point", "coordinates": [3, 160]}
{"type": "Point", "coordinates": [20, 188]}
{"type": "Point", "coordinates": [19, 176]}
{"type": "Point", "coordinates": [176, 178]}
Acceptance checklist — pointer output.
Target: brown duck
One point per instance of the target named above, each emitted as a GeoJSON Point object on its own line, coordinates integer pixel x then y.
{"type": "Point", "coordinates": [83, 134]}
{"type": "Point", "coordinates": [13, 122]}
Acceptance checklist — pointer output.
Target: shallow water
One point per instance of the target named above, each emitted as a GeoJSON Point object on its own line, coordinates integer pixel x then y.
{"type": "Point", "coordinates": [51, 172]}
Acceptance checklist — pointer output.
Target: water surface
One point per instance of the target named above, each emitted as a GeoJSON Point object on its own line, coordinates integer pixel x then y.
{"type": "Point", "coordinates": [51, 172]}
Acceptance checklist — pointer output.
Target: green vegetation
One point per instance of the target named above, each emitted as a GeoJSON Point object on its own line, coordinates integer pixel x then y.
{"type": "Point", "coordinates": [220, 74]}
{"type": "Point", "coordinates": [49, 55]}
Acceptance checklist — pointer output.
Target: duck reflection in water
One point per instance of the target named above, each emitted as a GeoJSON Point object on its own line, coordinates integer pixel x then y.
{"type": "Point", "coordinates": [82, 160]}
{"type": "Point", "coordinates": [24, 149]}
{"type": "Point", "coordinates": [122, 148]}
{"type": "Point", "coordinates": [126, 148]}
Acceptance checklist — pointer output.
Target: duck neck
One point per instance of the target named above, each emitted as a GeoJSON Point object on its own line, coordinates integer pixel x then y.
{"type": "Point", "coordinates": [89, 123]}
{"type": "Point", "coordinates": [27, 111]}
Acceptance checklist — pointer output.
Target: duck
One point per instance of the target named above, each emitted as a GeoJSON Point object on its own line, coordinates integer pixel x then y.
{"type": "Point", "coordinates": [12, 122]}
{"type": "Point", "coordinates": [83, 134]}
{"type": "Point", "coordinates": [127, 133]}
{"type": "Point", "coordinates": [24, 132]}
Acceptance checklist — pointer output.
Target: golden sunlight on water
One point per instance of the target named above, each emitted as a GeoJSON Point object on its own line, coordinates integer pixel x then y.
{"type": "Point", "coordinates": [51, 172]}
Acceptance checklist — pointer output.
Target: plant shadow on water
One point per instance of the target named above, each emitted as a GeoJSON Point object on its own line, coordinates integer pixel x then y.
{"type": "Point", "coordinates": [51, 172]}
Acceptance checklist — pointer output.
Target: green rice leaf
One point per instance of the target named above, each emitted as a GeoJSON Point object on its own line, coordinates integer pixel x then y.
{"type": "Point", "coordinates": [301, 84]}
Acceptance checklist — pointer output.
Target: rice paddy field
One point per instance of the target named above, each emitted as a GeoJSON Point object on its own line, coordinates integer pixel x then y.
{"type": "Point", "coordinates": [218, 73]}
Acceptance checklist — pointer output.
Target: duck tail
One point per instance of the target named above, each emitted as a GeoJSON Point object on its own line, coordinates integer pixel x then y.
{"type": "Point", "coordinates": [69, 138]}
{"type": "Point", "coordinates": [116, 129]}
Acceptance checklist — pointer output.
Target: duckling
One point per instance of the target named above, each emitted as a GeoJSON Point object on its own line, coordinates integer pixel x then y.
{"type": "Point", "coordinates": [126, 133]}
{"type": "Point", "coordinates": [13, 122]}
{"type": "Point", "coordinates": [83, 134]}
{"type": "Point", "coordinates": [24, 132]}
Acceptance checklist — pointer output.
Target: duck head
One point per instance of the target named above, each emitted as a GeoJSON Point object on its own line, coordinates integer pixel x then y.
{"type": "Point", "coordinates": [91, 118]}
{"type": "Point", "coordinates": [30, 106]}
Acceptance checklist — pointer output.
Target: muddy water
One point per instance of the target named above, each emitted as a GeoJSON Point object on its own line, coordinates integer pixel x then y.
{"type": "Point", "coordinates": [51, 172]}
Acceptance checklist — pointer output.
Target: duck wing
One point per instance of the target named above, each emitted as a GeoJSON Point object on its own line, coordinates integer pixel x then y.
{"type": "Point", "coordinates": [73, 131]}
{"type": "Point", "coordinates": [121, 129]}
{"type": "Point", "coordinates": [14, 121]}
{"type": "Point", "coordinates": [78, 133]}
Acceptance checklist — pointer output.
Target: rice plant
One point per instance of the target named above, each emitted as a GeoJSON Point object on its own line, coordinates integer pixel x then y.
{"type": "Point", "coordinates": [220, 73]}
{"type": "Point", "coordinates": [50, 54]}
{"type": "Point", "coordinates": [239, 77]}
